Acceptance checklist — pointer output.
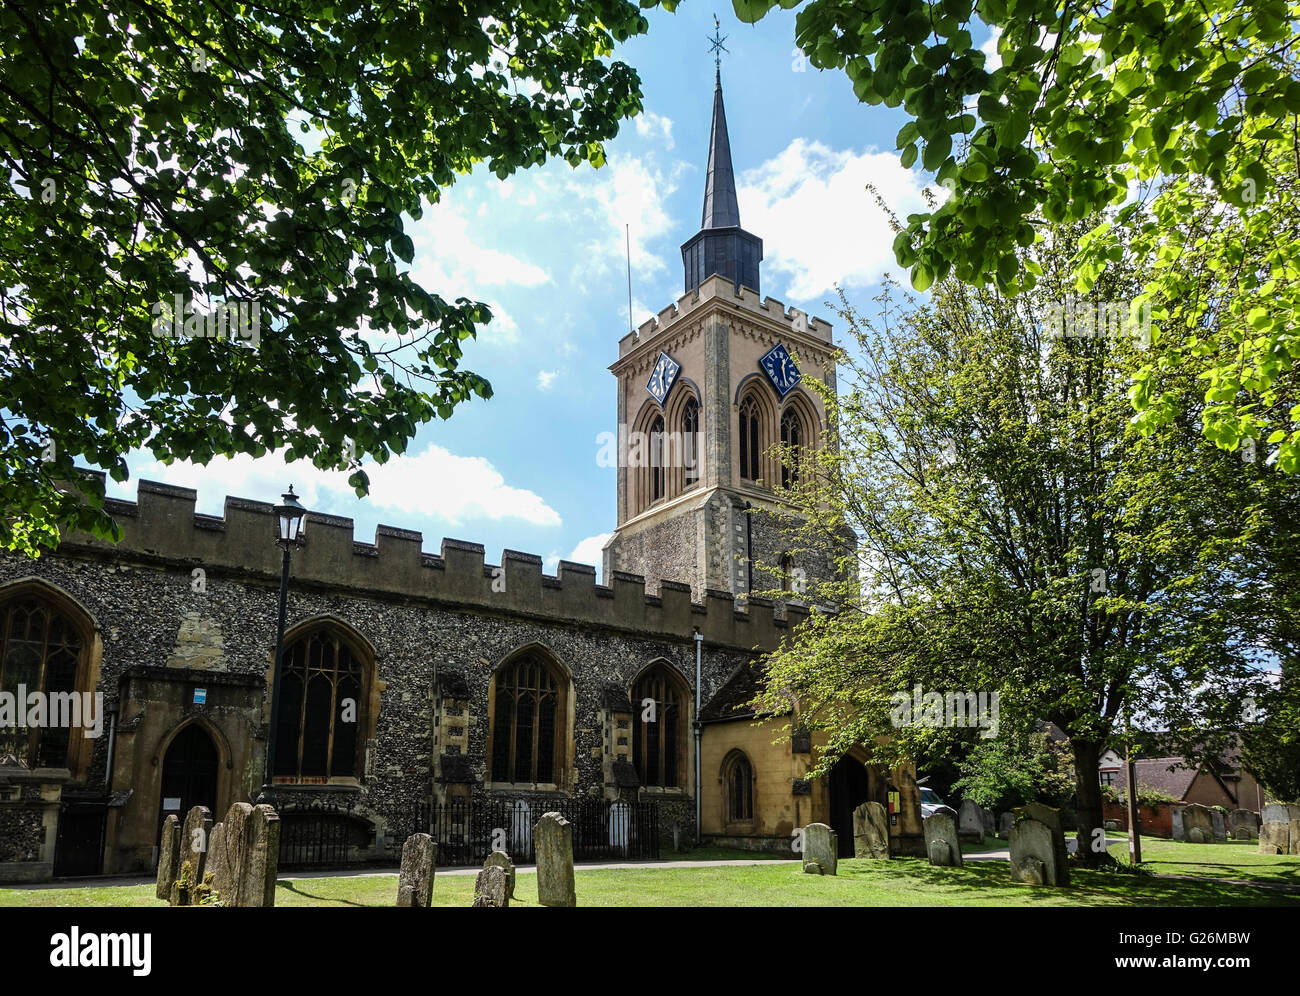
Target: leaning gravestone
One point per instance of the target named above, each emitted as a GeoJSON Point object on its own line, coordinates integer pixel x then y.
{"type": "Point", "coordinates": [194, 850]}
{"type": "Point", "coordinates": [256, 886]}
{"type": "Point", "coordinates": [415, 880]}
{"type": "Point", "coordinates": [970, 824]}
{"type": "Point", "coordinates": [942, 844]}
{"type": "Point", "coordinates": [169, 857]}
{"type": "Point", "coordinates": [228, 853]}
{"type": "Point", "coordinates": [500, 859]}
{"type": "Point", "coordinates": [1034, 858]}
{"type": "Point", "coordinates": [870, 832]}
{"type": "Point", "coordinates": [1219, 824]}
{"type": "Point", "coordinates": [490, 887]}
{"type": "Point", "coordinates": [218, 866]}
{"type": "Point", "coordinates": [553, 838]}
{"type": "Point", "coordinates": [1051, 818]}
{"type": "Point", "coordinates": [1005, 822]}
{"type": "Point", "coordinates": [1242, 825]}
{"type": "Point", "coordinates": [1198, 824]}
{"type": "Point", "coordinates": [820, 849]}
{"type": "Point", "coordinates": [1280, 833]}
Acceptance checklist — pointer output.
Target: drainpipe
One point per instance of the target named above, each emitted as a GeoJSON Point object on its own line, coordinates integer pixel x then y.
{"type": "Point", "coordinates": [699, 802]}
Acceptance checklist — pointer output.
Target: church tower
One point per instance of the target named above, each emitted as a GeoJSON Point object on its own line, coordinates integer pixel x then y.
{"type": "Point", "coordinates": [705, 392]}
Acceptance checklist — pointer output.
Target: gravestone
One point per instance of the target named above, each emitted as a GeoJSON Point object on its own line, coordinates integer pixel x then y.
{"type": "Point", "coordinates": [415, 880]}
{"type": "Point", "coordinates": [256, 885]}
{"type": "Point", "coordinates": [870, 832]}
{"type": "Point", "coordinates": [1004, 826]}
{"type": "Point", "coordinates": [1034, 857]}
{"type": "Point", "coordinates": [1178, 823]}
{"type": "Point", "coordinates": [228, 853]}
{"type": "Point", "coordinates": [500, 859]}
{"type": "Point", "coordinates": [820, 849]}
{"type": "Point", "coordinates": [1051, 818]}
{"type": "Point", "coordinates": [490, 887]}
{"type": "Point", "coordinates": [1280, 833]}
{"type": "Point", "coordinates": [169, 857]}
{"type": "Point", "coordinates": [553, 837]}
{"type": "Point", "coordinates": [990, 824]}
{"type": "Point", "coordinates": [194, 849]}
{"type": "Point", "coordinates": [1198, 825]}
{"type": "Point", "coordinates": [942, 845]}
{"type": "Point", "coordinates": [1219, 825]}
{"type": "Point", "coordinates": [970, 825]}
{"type": "Point", "coordinates": [1242, 825]}
{"type": "Point", "coordinates": [218, 867]}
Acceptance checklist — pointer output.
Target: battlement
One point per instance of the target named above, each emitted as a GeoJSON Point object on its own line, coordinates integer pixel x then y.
{"type": "Point", "coordinates": [161, 526]}
{"type": "Point", "coordinates": [720, 289]}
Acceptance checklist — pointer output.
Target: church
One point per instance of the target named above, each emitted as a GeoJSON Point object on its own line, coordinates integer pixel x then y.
{"type": "Point", "coordinates": [438, 691]}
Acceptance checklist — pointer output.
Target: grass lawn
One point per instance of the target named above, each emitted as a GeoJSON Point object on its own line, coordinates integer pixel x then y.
{"type": "Point", "coordinates": [901, 882]}
{"type": "Point", "coordinates": [1236, 859]}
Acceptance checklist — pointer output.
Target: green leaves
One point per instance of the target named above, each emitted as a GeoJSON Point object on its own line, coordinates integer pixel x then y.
{"type": "Point", "coordinates": [221, 184]}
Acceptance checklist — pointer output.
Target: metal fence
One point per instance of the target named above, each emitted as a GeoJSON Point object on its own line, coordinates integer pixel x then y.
{"type": "Point", "coordinates": [320, 836]}
{"type": "Point", "coordinates": [467, 832]}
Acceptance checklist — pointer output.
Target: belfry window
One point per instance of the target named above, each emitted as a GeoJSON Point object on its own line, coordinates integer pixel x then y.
{"type": "Point", "coordinates": [320, 709]}
{"type": "Point", "coordinates": [748, 440]}
{"type": "Point", "coordinates": [691, 441]}
{"type": "Point", "coordinates": [657, 458]}
{"type": "Point", "coordinates": [791, 438]}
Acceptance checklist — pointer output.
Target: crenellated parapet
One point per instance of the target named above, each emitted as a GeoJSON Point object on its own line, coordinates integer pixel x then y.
{"type": "Point", "coordinates": [162, 527]}
{"type": "Point", "coordinates": [717, 290]}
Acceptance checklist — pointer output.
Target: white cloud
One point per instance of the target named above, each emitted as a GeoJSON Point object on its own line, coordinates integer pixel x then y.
{"type": "Point", "coordinates": [656, 126]}
{"type": "Point", "coordinates": [627, 192]}
{"type": "Point", "coordinates": [434, 484]}
{"type": "Point", "coordinates": [545, 378]}
{"type": "Point", "coordinates": [992, 58]}
{"type": "Point", "coordinates": [588, 550]}
{"type": "Point", "coordinates": [820, 226]}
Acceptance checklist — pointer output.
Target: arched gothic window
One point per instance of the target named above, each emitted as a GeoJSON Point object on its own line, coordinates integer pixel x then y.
{"type": "Point", "coordinates": [40, 649]}
{"type": "Point", "coordinates": [657, 458]}
{"type": "Point", "coordinates": [691, 441]}
{"type": "Point", "coordinates": [658, 747]}
{"type": "Point", "coordinates": [792, 437]}
{"type": "Point", "coordinates": [321, 709]}
{"type": "Point", "coordinates": [527, 721]}
{"type": "Point", "coordinates": [738, 777]}
{"type": "Point", "coordinates": [748, 439]}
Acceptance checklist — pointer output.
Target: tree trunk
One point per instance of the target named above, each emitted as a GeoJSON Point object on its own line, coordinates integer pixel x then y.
{"type": "Point", "coordinates": [1087, 755]}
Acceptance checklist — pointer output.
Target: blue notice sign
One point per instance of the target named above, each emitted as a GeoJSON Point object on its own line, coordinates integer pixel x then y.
{"type": "Point", "coordinates": [200, 696]}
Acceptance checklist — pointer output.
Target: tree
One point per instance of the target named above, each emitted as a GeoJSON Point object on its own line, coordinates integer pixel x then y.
{"type": "Point", "coordinates": [255, 164]}
{"type": "Point", "coordinates": [1024, 766]}
{"type": "Point", "coordinates": [1185, 102]}
{"type": "Point", "coordinates": [1016, 534]}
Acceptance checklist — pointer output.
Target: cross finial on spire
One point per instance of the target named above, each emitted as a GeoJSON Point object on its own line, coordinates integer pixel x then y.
{"type": "Point", "coordinates": [717, 48]}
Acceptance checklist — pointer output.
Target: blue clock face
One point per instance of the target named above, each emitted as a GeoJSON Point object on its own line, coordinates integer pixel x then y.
{"type": "Point", "coordinates": [780, 369]}
{"type": "Point", "coordinates": [663, 377]}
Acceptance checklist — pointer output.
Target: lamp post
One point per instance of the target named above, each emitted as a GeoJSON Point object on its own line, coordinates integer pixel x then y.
{"type": "Point", "coordinates": [290, 526]}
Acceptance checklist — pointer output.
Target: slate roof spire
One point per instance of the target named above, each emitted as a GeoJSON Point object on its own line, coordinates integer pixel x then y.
{"type": "Point", "coordinates": [721, 246]}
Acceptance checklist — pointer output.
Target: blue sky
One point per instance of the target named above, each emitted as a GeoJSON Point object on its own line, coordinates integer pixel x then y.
{"type": "Point", "coordinates": [546, 250]}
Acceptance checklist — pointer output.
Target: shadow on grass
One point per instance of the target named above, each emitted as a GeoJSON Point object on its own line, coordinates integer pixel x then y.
{"type": "Point", "coordinates": [1089, 886]}
{"type": "Point", "coordinates": [291, 885]}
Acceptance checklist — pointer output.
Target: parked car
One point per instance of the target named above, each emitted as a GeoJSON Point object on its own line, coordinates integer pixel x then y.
{"type": "Point", "coordinates": [930, 801]}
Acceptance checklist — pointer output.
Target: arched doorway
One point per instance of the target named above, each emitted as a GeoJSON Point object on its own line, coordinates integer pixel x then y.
{"type": "Point", "coordinates": [189, 774]}
{"type": "Point", "coordinates": [850, 786]}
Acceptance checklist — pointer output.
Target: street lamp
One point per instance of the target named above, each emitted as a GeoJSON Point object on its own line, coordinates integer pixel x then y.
{"type": "Point", "coordinates": [290, 526]}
